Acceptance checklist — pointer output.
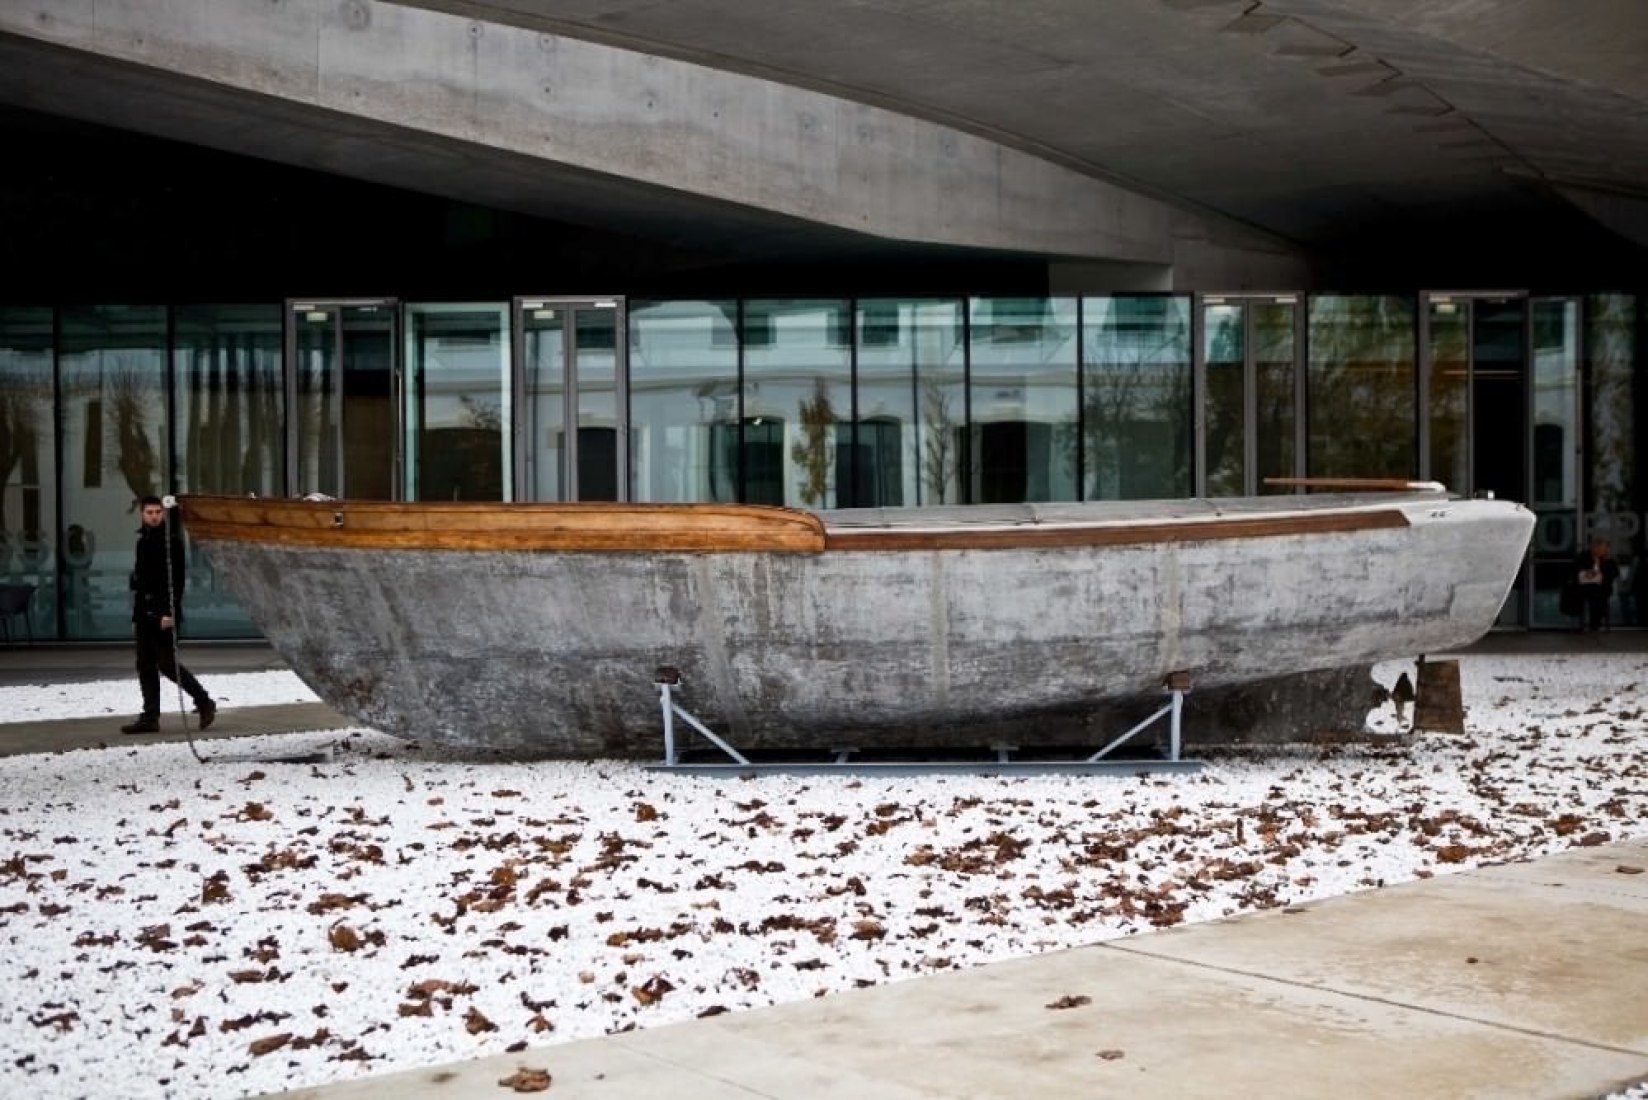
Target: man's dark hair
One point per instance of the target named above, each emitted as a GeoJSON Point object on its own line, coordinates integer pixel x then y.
{"type": "Point", "coordinates": [148, 500]}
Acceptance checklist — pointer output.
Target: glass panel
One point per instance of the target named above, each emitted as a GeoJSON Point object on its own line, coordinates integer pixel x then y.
{"type": "Point", "coordinates": [1136, 398]}
{"type": "Point", "coordinates": [1275, 362]}
{"type": "Point", "coordinates": [114, 451]}
{"type": "Point", "coordinates": [595, 350]}
{"type": "Point", "coordinates": [1450, 323]}
{"type": "Point", "coordinates": [797, 390]}
{"type": "Point", "coordinates": [1224, 348]}
{"type": "Point", "coordinates": [683, 400]}
{"type": "Point", "coordinates": [1499, 400]}
{"type": "Point", "coordinates": [345, 415]}
{"type": "Point", "coordinates": [1615, 503]}
{"type": "Point", "coordinates": [1023, 400]}
{"type": "Point", "coordinates": [458, 388]}
{"type": "Point", "coordinates": [544, 361]}
{"type": "Point", "coordinates": [28, 484]}
{"type": "Point", "coordinates": [226, 366]}
{"type": "Point", "coordinates": [911, 402]}
{"type": "Point", "coordinates": [1554, 366]}
{"type": "Point", "coordinates": [1361, 386]}
{"type": "Point", "coordinates": [319, 415]}
{"type": "Point", "coordinates": [370, 433]}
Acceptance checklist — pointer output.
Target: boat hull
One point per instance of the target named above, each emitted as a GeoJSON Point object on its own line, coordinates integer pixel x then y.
{"type": "Point", "coordinates": [864, 634]}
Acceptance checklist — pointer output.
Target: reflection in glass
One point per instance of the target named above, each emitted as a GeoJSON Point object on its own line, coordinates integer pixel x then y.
{"type": "Point", "coordinates": [28, 481]}
{"type": "Point", "coordinates": [1136, 398]}
{"type": "Point", "coordinates": [543, 357]}
{"type": "Point", "coordinates": [229, 404]}
{"type": "Point", "coordinates": [347, 435]}
{"type": "Point", "coordinates": [1022, 398]}
{"type": "Point", "coordinates": [457, 401]}
{"type": "Point", "coordinates": [1361, 386]}
{"type": "Point", "coordinates": [1449, 394]}
{"type": "Point", "coordinates": [1499, 399]}
{"type": "Point", "coordinates": [683, 401]}
{"type": "Point", "coordinates": [1225, 405]}
{"type": "Point", "coordinates": [797, 390]}
{"type": "Point", "coordinates": [595, 371]}
{"type": "Point", "coordinates": [113, 362]}
{"type": "Point", "coordinates": [911, 402]}
{"type": "Point", "coordinates": [1615, 503]}
{"type": "Point", "coordinates": [1554, 376]}
{"type": "Point", "coordinates": [1276, 417]}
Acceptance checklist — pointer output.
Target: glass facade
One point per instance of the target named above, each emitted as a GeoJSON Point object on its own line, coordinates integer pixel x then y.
{"type": "Point", "coordinates": [1136, 404]}
{"type": "Point", "coordinates": [683, 401]}
{"type": "Point", "coordinates": [29, 550]}
{"type": "Point", "coordinates": [819, 403]}
{"type": "Point", "coordinates": [797, 419]}
{"type": "Point", "coordinates": [228, 397]}
{"type": "Point", "coordinates": [1361, 386]}
{"type": "Point", "coordinates": [1024, 400]}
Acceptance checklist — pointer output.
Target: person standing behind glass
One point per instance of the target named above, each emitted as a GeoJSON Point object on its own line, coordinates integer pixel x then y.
{"type": "Point", "coordinates": [1596, 573]}
{"type": "Point", "coordinates": [157, 607]}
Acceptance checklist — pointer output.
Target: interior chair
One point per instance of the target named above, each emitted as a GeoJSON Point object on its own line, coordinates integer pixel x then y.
{"type": "Point", "coordinates": [15, 602]}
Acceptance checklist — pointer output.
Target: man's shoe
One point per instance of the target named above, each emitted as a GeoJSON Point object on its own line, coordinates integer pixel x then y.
{"type": "Point", "coordinates": [144, 724]}
{"type": "Point", "coordinates": [207, 711]}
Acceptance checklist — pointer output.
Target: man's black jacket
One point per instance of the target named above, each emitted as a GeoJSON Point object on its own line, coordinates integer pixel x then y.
{"type": "Point", "coordinates": [150, 596]}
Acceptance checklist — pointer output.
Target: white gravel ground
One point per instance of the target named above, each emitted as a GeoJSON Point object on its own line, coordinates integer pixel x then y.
{"type": "Point", "coordinates": [177, 930]}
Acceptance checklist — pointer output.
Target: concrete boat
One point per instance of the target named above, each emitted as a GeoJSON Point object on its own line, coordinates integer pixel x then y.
{"type": "Point", "coordinates": [539, 629]}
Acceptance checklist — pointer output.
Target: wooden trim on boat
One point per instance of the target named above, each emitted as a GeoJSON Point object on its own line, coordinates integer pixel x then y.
{"type": "Point", "coordinates": [470, 525]}
{"type": "Point", "coordinates": [1357, 484]}
{"type": "Point", "coordinates": [723, 528]}
{"type": "Point", "coordinates": [1032, 536]}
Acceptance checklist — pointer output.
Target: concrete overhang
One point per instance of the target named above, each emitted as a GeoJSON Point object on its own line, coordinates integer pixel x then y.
{"type": "Point", "coordinates": [588, 132]}
{"type": "Point", "coordinates": [1165, 135]}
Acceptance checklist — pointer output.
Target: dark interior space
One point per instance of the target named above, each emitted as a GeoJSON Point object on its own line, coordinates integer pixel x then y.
{"type": "Point", "coordinates": [90, 213]}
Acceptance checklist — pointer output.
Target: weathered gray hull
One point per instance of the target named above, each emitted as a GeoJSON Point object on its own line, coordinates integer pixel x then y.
{"type": "Point", "coordinates": [551, 652]}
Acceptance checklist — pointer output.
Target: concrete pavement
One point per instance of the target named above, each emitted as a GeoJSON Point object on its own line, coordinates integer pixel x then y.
{"type": "Point", "coordinates": [1527, 980]}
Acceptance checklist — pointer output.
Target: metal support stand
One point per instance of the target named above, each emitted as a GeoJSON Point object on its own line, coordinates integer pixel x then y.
{"type": "Point", "coordinates": [841, 757]}
{"type": "Point", "coordinates": [1177, 686]}
{"type": "Point", "coordinates": [667, 679]}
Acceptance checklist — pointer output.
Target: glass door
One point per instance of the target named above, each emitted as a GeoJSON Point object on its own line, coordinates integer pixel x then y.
{"type": "Point", "coordinates": [1248, 387]}
{"type": "Point", "coordinates": [1481, 430]}
{"type": "Point", "coordinates": [573, 399]}
{"type": "Point", "coordinates": [343, 392]}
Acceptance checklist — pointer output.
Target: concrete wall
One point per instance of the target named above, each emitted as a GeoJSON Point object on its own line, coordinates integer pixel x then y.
{"type": "Point", "coordinates": [505, 95]}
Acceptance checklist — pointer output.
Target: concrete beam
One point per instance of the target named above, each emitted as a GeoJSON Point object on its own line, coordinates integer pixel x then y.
{"type": "Point", "coordinates": [464, 93]}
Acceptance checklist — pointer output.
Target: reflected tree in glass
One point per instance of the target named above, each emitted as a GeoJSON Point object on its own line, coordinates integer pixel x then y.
{"type": "Point", "coordinates": [1449, 393]}
{"type": "Point", "coordinates": [28, 478]}
{"type": "Point", "coordinates": [797, 432]}
{"type": "Point", "coordinates": [910, 401]}
{"type": "Point", "coordinates": [1361, 381]}
{"type": "Point", "coordinates": [113, 363]}
{"type": "Point", "coordinates": [1136, 397]}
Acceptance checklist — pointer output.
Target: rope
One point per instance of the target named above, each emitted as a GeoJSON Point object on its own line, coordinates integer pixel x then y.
{"type": "Point", "coordinates": [168, 503]}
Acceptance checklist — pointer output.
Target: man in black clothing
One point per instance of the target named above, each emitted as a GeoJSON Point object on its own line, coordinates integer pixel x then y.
{"type": "Point", "coordinates": [157, 605]}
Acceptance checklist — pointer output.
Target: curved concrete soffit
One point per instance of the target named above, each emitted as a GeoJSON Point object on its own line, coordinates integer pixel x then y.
{"type": "Point", "coordinates": [640, 117]}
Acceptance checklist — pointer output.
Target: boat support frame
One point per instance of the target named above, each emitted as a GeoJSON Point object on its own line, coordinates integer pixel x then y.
{"type": "Point", "coordinates": [1177, 685]}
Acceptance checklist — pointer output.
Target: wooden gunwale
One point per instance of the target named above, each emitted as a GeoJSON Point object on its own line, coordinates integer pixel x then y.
{"type": "Point", "coordinates": [639, 528]}
{"type": "Point", "coordinates": [469, 525]}
{"type": "Point", "coordinates": [1030, 536]}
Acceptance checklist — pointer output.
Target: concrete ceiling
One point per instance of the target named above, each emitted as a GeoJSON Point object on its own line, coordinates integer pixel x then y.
{"type": "Point", "coordinates": [1320, 120]}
